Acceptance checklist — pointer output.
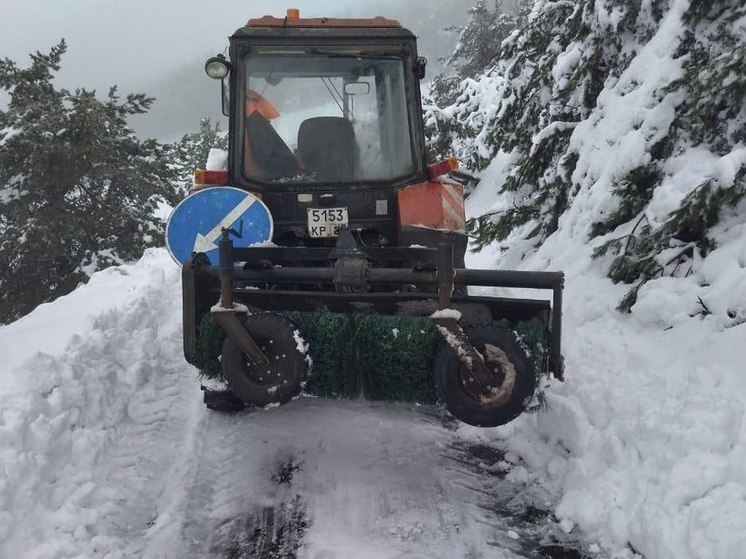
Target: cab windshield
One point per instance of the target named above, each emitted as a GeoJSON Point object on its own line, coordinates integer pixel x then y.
{"type": "Point", "coordinates": [311, 116]}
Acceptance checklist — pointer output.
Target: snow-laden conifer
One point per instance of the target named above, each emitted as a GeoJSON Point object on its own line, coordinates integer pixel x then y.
{"type": "Point", "coordinates": [625, 116]}
{"type": "Point", "coordinates": [78, 189]}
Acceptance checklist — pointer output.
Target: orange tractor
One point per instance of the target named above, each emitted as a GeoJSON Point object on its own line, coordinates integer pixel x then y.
{"type": "Point", "coordinates": [326, 138]}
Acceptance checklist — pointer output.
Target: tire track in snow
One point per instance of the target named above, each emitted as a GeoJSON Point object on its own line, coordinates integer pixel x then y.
{"type": "Point", "coordinates": [369, 481]}
{"type": "Point", "coordinates": [372, 482]}
{"type": "Point", "coordinates": [210, 501]}
{"type": "Point", "coordinates": [237, 496]}
{"type": "Point", "coordinates": [361, 480]}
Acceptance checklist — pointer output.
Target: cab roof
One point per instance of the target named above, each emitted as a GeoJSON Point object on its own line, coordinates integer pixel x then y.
{"type": "Point", "coordinates": [326, 30]}
{"type": "Point", "coordinates": [323, 22]}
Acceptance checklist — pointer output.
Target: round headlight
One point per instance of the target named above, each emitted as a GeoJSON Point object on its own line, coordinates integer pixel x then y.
{"type": "Point", "coordinates": [217, 67]}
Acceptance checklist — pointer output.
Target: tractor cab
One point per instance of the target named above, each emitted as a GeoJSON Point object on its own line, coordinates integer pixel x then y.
{"type": "Point", "coordinates": [325, 115]}
{"type": "Point", "coordinates": [314, 101]}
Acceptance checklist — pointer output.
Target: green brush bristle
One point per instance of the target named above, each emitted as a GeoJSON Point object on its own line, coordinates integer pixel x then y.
{"type": "Point", "coordinates": [374, 357]}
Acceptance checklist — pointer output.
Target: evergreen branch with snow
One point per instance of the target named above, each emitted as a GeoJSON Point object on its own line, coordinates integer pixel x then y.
{"type": "Point", "coordinates": [609, 110]}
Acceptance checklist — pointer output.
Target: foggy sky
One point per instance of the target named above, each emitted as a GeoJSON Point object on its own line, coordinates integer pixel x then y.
{"type": "Point", "coordinates": [159, 46]}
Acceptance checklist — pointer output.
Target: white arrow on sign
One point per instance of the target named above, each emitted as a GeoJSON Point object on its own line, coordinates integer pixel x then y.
{"type": "Point", "coordinates": [206, 243]}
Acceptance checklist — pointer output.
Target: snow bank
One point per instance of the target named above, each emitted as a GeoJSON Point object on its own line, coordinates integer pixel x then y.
{"type": "Point", "coordinates": [645, 442]}
{"type": "Point", "coordinates": [52, 327]}
{"type": "Point", "coordinates": [646, 438]}
{"type": "Point", "coordinates": [76, 375]}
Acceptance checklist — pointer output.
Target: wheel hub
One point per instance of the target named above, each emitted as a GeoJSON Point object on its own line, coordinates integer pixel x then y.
{"type": "Point", "coordinates": [503, 371]}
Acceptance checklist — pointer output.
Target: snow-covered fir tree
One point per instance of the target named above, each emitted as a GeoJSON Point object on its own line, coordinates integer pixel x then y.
{"type": "Point", "coordinates": [479, 41]}
{"type": "Point", "coordinates": [477, 48]}
{"type": "Point", "coordinates": [641, 99]}
{"type": "Point", "coordinates": [78, 190]}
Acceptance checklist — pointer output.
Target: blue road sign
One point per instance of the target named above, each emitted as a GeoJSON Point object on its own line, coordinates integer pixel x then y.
{"type": "Point", "coordinates": [196, 223]}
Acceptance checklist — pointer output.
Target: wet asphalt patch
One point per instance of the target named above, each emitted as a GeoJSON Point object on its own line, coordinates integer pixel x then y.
{"type": "Point", "coordinates": [272, 532]}
{"type": "Point", "coordinates": [284, 473]}
{"type": "Point", "coordinates": [519, 513]}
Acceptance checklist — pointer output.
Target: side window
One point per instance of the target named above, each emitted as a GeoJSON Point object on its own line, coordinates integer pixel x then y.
{"type": "Point", "coordinates": [364, 114]}
{"type": "Point", "coordinates": [394, 121]}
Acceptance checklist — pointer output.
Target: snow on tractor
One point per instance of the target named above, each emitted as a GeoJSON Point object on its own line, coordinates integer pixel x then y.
{"type": "Point", "coordinates": [326, 203]}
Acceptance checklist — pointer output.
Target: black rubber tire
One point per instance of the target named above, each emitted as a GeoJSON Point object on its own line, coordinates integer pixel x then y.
{"type": "Point", "coordinates": [448, 372]}
{"type": "Point", "coordinates": [287, 372]}
{"type": "Point", "coordinates": [222, 400]}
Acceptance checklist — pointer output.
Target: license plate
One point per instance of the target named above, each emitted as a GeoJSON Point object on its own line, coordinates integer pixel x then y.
{"type": "Point", "coordinates": [325, 222]}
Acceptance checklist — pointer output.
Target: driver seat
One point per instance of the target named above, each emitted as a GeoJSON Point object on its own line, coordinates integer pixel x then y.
{"type": "Point", "coordinates": [327, 147]}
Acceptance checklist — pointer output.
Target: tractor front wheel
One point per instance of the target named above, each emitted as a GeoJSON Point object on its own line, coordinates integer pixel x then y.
{"type": "Point", "coordinates": [488, 406]}
{"type": "Point", "coordinates": [285, 375]}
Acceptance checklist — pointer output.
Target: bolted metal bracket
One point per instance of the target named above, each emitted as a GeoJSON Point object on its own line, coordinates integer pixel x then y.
{"type": "Point", "coordinates": [351, 266]}
{"type": "Point", "coordinates": [456, 338]}
{"type": "Point", "coordinates": [228, 320]}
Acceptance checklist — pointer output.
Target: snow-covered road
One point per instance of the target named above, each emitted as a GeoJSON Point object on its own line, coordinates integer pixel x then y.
{"type": "Point", "coordinates": [107, 451]}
